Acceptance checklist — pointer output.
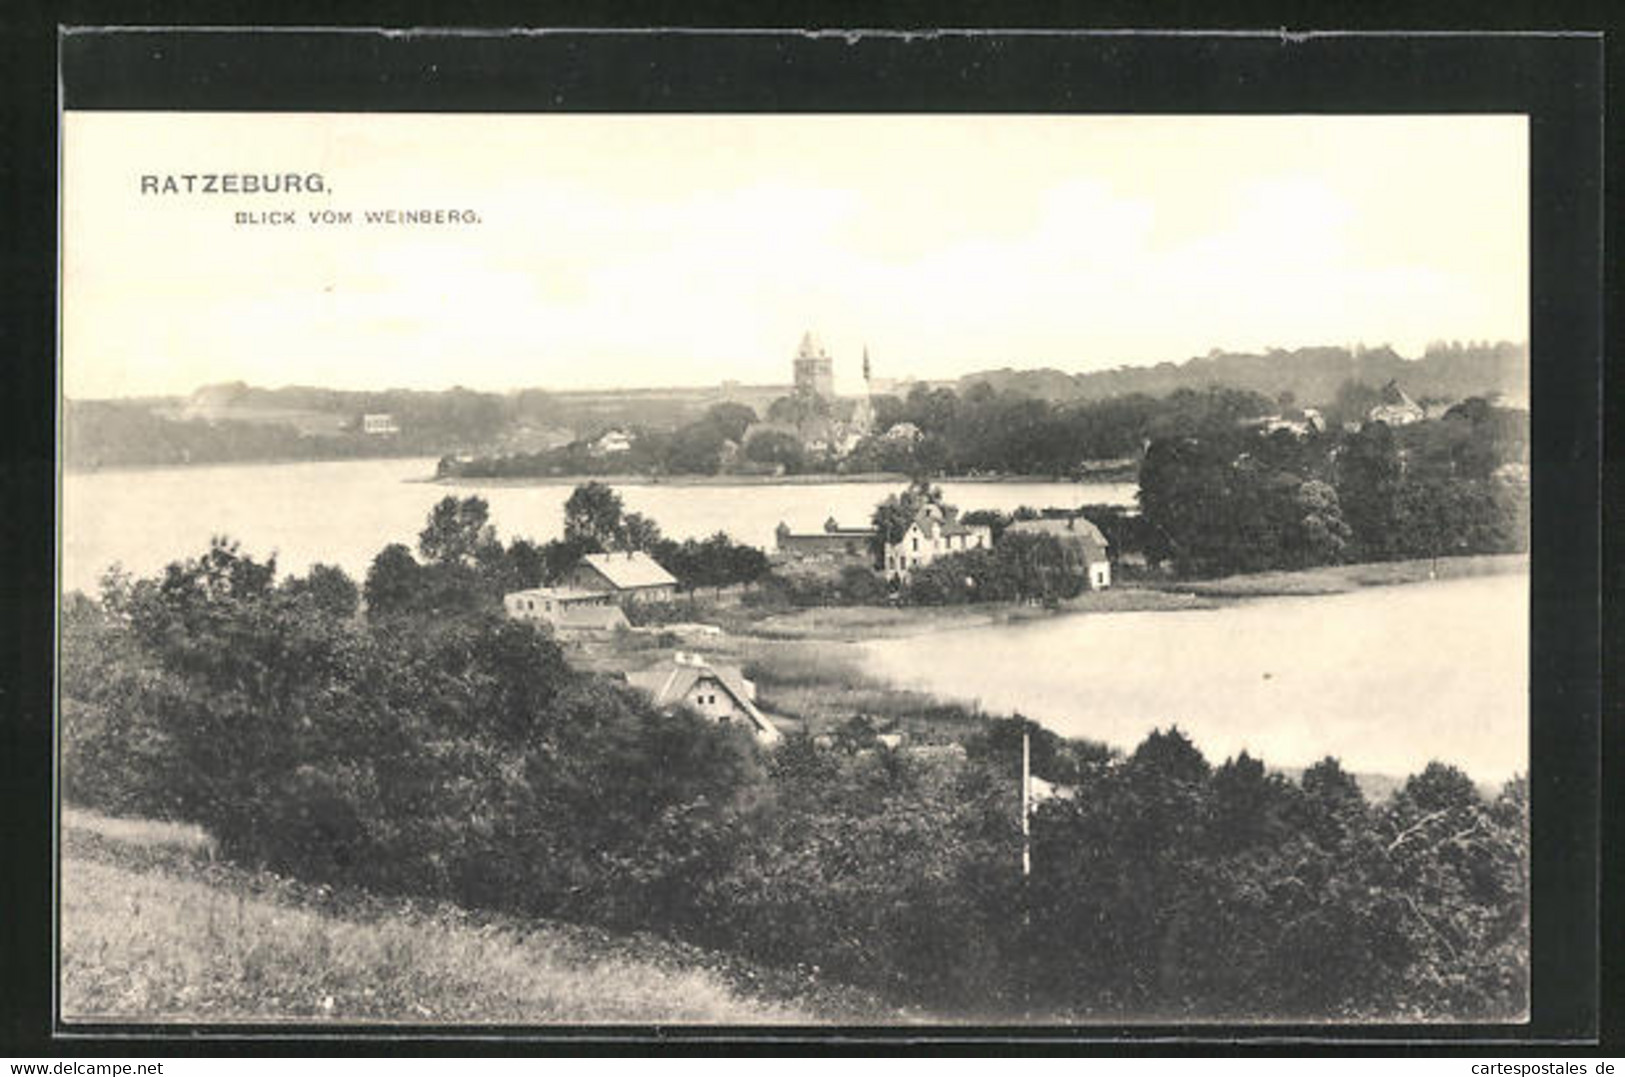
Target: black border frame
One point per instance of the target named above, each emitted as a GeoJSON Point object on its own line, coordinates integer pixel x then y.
{"type": "Point", "coordinates": [1557, 79]}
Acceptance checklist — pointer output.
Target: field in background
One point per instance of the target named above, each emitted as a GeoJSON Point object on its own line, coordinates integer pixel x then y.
{"type": "Point", "coordinates": [153, 929]}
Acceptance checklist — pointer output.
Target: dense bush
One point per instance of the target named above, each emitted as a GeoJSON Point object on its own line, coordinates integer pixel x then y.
{"type": "Point", "coordinates": [1244, 500]}
{"type": "Point", "coordinates": [453, 756]}
{"type": "Point", "coordinates": [851, 585]}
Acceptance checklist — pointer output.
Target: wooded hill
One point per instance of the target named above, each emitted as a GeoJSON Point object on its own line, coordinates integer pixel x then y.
{"type": "Point", "coordinates": [1446, 371]}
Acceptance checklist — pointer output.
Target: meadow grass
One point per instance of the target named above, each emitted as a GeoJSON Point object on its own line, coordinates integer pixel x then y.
{"type": "Point", "coordinates": [1337, 579]}
{"type": "Point", "coordinates": [153, 931]}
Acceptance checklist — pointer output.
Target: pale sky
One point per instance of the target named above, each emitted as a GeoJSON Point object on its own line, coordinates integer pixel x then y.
{"type": "Point", "coordinates": [684, 250]}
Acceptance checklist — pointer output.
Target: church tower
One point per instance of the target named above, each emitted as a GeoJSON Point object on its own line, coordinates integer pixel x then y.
{"type": "Point", "coordinates": [814, 370]}
{"type": "Point", "coordinates": [863, 416]}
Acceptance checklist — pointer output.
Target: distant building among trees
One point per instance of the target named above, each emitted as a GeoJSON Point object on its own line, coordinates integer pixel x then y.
{"type": "Point", "coordinates": [834, 543]}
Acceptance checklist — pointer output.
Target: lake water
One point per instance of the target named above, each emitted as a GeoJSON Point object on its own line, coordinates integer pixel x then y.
{"type": "Point", "coordinates": [344, 512]}
{"type": "Point", "coordinates": [1385, 678]}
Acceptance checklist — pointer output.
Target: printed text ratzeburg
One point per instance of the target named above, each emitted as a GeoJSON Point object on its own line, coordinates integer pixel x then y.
{"type": "Point", "coordinates": [235, 183]}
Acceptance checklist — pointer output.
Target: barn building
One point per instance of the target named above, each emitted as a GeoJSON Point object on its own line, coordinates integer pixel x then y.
{"type": "Point", "coordinates": [625, 577]}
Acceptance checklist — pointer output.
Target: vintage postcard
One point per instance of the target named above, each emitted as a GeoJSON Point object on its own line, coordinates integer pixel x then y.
{"type": "Point", "coordinates": [794, 569]}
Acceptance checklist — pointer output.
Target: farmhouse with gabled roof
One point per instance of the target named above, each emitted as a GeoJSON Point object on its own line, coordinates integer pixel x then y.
{"type": "Point", "coordinates": [715, 691]}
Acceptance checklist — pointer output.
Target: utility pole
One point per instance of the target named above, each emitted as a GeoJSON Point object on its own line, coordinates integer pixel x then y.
{"type": "Point", "coordinates": [1026, 804]}
{"type": "Point", "coordinates": [1026, 872]}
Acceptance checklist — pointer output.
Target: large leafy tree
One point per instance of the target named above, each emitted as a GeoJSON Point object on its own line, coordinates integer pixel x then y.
{"type": "Point", "coordinates": [731, 420]}
{"type": "Point", "coordinates": [458, 531]}
{"type": "Point", "coordinates": [593, 515]}
{"type": "Point", "coordinates": [392, 581]}
{"type": "Point", "coordinates": [329, 587]}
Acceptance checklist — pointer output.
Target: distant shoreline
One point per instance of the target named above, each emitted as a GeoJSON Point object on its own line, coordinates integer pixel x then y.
{"type": "Point", "coordinates": [120, 468]}
{"type": "Point", "coordinates": [860, 623]}
{"type": "Point", "coordinates": [1115, 476]}
{"type": "Point", "coordinates": [857, 479]}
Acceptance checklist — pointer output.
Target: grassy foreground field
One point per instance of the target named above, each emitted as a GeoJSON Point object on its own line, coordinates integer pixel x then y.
{"type": "Point", "coordinates": [154, 930]}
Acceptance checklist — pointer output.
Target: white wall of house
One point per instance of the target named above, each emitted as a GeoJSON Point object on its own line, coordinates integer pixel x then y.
{"type": "Point", "coordinates": [710, 697]}
{"type": "Point", "coordinates": [919, 548]}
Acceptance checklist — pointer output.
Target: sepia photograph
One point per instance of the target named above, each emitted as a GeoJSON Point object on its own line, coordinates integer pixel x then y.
{"type": "Point", "coordinates": [794, 569]}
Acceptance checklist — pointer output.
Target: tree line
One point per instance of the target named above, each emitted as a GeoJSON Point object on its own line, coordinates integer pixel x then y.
{"type": "Point", "coordinates": [1446, 370]}
{"type": "Point", "coordinates": [931, 432]}
{"type": "Point", "coordinates": [460, 565]}
{"type": "Point", "coordinates": [1246, 499]}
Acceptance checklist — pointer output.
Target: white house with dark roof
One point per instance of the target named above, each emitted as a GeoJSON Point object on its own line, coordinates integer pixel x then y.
{"type": "Point", "coordinates": [715, 691]}
{"type": "Point", "coordinates": [934, 532]}
{"type": "Point", "coordinates": [626, 577]}
{"type": "Point", "coordinates": [1082, 536]}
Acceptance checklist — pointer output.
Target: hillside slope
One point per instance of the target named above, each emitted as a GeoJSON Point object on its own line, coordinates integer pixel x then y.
{"type": "Point", "coordinates": [154, 930]}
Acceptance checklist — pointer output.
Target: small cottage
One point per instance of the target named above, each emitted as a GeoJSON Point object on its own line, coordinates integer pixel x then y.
{"type": "Point", "coordinates": [716, 691]}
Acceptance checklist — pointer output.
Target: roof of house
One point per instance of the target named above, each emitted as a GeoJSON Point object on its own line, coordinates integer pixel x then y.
{"type": "Point", "coordinates": [1072, 527]}
{"type": "Point", "coordinates": [626, 571]}
{"type": "Point", "coordinates": [670, 681]}
{"type": "Point", "coordinates": [931, 517]}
